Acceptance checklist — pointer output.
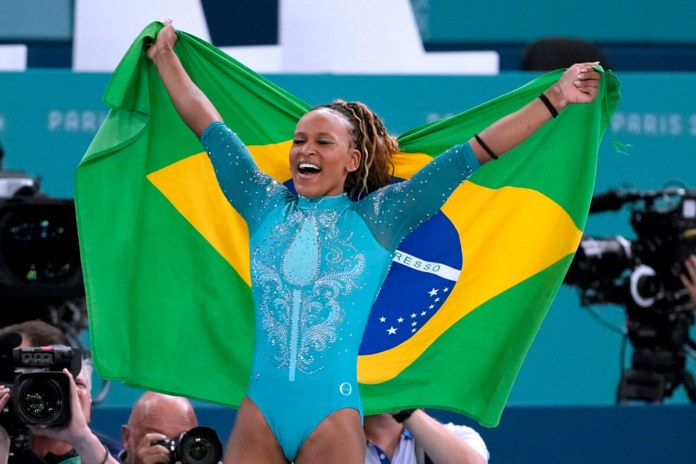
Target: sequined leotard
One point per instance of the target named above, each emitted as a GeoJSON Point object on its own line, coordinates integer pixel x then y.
{"type": "Point", "coordinates": [316, 268]}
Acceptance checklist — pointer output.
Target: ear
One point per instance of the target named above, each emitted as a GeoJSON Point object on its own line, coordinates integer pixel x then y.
{"type": "Point", "coordinates": [125, 435]}
{"type": "Point", "coordinates": [354, 161]}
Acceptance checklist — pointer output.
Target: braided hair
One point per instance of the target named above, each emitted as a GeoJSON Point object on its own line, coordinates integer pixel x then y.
{"type": "Point", "coordinates": [375, 145]}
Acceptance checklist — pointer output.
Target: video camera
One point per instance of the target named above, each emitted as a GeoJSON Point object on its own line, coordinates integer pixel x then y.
{"type": "Point", "coordinates": [40, 266]}
{"type": "Point", "coordinates": [39, 390]}
{"type": "Point", "coordinates": [643, 276]}
{"type": "Point", "coordinates": [200, 445]}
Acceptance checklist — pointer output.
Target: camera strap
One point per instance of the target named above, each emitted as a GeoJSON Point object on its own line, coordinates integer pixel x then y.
{"type": "Point", "coordinates": [72, 460]}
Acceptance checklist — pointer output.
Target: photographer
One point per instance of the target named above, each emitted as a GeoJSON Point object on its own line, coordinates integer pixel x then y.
{"type": "Point", "coordinates": [155, 419]}
{"type": "Point", "coordinates": [72, 444]}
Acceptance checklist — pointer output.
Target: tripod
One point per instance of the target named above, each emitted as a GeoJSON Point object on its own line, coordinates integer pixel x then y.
{"type": "Point", "coordinates": [659, 337]}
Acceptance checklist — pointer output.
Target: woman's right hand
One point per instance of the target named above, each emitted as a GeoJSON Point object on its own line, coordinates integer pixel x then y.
{"type": "Point", "coordinates": [165, 40]}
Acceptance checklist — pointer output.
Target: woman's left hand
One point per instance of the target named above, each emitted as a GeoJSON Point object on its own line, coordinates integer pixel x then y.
{"type": "Point", "coordinates": [579, 83]}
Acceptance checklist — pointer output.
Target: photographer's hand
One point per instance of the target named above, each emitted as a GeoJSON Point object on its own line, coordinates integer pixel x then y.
{"type": "Point", "coordinates": [689, 280]}
{"type": "Point", "coordinates": [4, 438]}
{"type": "Point", "coordinates": [147, 453]}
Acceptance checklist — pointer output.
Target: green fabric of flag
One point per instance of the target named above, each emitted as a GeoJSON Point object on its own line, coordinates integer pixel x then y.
{"type": "Point", "coordinates": [168, 297]}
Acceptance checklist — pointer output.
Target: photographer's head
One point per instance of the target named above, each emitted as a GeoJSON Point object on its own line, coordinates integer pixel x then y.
{"type": "Point", "coordinates": [37, 333]}
{"type": "Point", "coordinates": [154, 418]}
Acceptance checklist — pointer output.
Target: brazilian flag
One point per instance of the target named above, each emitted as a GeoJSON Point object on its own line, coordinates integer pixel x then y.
{"type": "Point", "coordinates": [166, 261]}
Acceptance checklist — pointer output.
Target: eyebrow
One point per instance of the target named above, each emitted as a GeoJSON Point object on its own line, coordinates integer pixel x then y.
{"type": "Point", "coordinates": [320, 134]}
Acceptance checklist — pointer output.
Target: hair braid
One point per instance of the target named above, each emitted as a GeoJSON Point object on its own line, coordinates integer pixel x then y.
{"type": "Point", "coordinates": [375, 145]}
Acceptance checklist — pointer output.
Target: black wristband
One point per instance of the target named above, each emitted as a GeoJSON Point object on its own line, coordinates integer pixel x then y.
{"type": "Point", "coordinates": [485, 147]}
{"type": "Point", "coordinates": [402, 415]}
{"type": "Point", "coordinates": [552, 109]}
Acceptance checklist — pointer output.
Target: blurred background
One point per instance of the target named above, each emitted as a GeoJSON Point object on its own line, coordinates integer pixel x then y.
{"type": "Point", "coordinates": [614, 324]}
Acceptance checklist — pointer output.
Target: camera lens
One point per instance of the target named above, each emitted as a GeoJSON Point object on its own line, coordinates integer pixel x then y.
{"type": "Point", "coordinates": [200, 445]}
{"type": "Point", "coordinates": [40, 398]}
{"type": "Point", "coordinates": [199, 449]}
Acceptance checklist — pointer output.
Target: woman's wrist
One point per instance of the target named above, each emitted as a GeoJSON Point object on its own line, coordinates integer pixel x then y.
{"type": "Point", "coordinates": [555, 97]}
{"type": "Point", "coordinates": [162, 54]}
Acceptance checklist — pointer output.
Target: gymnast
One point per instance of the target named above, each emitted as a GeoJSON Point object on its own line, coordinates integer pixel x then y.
{"type": "Point", "coordinates": [320, 254]}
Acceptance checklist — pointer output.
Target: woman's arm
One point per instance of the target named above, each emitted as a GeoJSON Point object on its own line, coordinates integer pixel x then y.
{"type": "Point", "coordinates": [578, 84]}
{"type": "Point", "coordinates": [402, 207]}
{"type": "Point", "coordinates": [190, 102]}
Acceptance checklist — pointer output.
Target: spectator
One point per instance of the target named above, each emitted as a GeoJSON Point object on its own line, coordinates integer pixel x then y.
{"type": "Point", "coordinates": [413, 436]}
{"type": "Point", "coordinates": [550, 53]}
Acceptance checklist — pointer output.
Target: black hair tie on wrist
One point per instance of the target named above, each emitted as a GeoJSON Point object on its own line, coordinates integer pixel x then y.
{"type": "Point", "coordinates": [549, 105]}
{"type": "Point", "coordinates": [403, 415]}
{"type": "Point", "coordinates": [485, 147]}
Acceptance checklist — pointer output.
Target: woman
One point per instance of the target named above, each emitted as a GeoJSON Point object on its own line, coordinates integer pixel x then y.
{"type": "Point", "coordinates": [319, 256]}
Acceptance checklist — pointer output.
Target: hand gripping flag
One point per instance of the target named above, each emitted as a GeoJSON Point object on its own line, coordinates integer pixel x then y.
{"type": "Point", "coordinates": [166, 259]}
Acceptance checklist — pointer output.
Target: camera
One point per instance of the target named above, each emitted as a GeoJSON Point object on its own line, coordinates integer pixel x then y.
{"type": "Point", "coordinates": [200, 445]}
{"type": "Point", "coordinates": [40, 266]}
{"type": "Point", "coordinates": [643, 276]}
{"type": "Point", "coordinates": [39, 390]}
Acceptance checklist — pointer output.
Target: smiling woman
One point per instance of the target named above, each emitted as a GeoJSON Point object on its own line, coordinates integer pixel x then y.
{"type": "Point", "coordinates": [319, 257]}
{"type": "Point", "coordinates": [323, 153]}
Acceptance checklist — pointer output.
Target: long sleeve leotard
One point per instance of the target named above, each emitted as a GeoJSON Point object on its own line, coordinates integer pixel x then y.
{"type": "Point", "coordinates": [316, 268]}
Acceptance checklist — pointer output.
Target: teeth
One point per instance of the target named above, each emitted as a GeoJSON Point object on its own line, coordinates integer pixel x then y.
{"type": "Point", "coordinates": [308, 167]}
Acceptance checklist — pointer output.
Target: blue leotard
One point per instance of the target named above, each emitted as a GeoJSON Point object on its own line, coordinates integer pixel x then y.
{"type": "Point", "coordinates": [316, 268]}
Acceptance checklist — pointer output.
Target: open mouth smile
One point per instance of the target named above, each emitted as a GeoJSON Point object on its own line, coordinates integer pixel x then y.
{"type": "Point", "coordinates": [308, 168]}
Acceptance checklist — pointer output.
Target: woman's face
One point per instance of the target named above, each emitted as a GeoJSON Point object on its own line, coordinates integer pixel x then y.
{"type": "Point", "coordinates": [322, 154]}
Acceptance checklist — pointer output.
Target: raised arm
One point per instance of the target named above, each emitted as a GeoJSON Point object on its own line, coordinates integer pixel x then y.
{"type": "Point", "coordinates": [190, 102]}
{"type": "Point", "coordinates": [578, 84]}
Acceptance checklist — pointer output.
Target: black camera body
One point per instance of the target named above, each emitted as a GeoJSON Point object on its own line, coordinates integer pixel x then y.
{"type": "Point", "coordinates": [39, 389]}
{"type": "Point", "coordinates": [644, 271]}
{"type": "Point", "coordinates": [200, 445]}
{"type": "Point", "coordinates": [643, 275]}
